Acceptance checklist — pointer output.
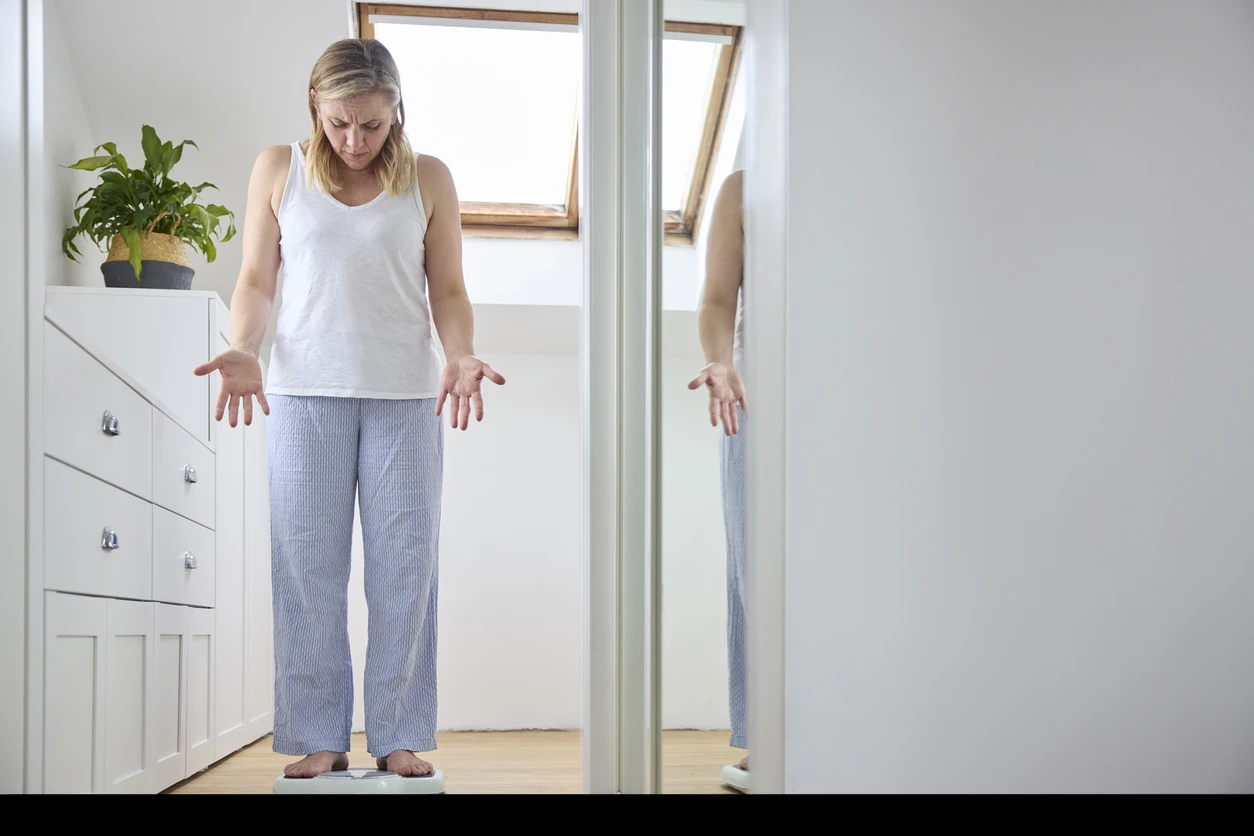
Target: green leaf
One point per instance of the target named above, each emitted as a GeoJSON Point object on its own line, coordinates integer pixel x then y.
{"type": "Point", "coordinates": [204, 186]}
{"type": "Point", "coordinates": [111, 147]}
{"type": "Point", "coordinates": [131, 236]}
{"type": "Point", "coordinates": [211, 252]}
{"type": "Point", "coordinates": [67, 243]}
{"type": "Point", "coordinates": [91, 163]}
{"type": "Point", "coordinates": [152, 148]}
{"type": "Point", "coordinates": [141, 218]}
{"type": "Point", "coordinates": [230, 232]}
{"type": "Point", "coordinates": [199, 214]}
{"type": "Point", "coordinates": [217, 211]}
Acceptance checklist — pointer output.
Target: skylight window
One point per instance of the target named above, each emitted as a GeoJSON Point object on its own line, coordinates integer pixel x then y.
{"type": "Point", "coordinates": [495, 95]}
{"type": "Point", "coordinates": [507, 126]}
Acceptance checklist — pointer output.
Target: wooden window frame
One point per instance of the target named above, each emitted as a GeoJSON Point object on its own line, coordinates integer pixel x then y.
{"type": "Point", "coordinates": [681, 227]}
{"type": "Point", "coordinates": [524, 220]}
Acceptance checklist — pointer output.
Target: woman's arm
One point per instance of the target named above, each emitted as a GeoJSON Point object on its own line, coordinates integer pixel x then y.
{"type": "Point", "coordinates": [253, 299]}
{"type": "Point", "coordinates": [724, 268]}
{"type": "Point", "coordinates": [450, 305]}
{"type": "Point", "coordinates": [255, 288]}
{"type": "Point", "coordinates": [446, 285]}
{"type": "Point", "coordinates": [716, 317]}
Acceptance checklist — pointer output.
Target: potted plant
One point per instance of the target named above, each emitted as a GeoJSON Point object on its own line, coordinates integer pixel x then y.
{"type": "Point", "coordinates": [147, 217]}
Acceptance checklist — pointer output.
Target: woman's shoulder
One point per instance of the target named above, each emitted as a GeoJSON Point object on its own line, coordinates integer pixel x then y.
{"type": "Point", "coordinates": [274, 158]}
{"type": "Point", "coordinates": [430, 169]}
{"type": "Point", "coordinates": [434, 180]}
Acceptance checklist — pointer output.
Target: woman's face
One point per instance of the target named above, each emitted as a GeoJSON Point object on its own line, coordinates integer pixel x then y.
{"type": "Point", "coordinates": [357, 128]}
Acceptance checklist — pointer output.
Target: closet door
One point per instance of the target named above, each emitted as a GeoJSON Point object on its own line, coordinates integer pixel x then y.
{"type": "Point", "coordinates": [170, 694]}
{"type": "Point", "coordinates": [75, 660]}
{"type": "Point", "coordinates": [200, 689]}
{"type": "Point", "coordinates": [130, 748]}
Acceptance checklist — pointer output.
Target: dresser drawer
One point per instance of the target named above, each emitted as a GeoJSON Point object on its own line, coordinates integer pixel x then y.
{"type": "Point", "coordinates": [82, 516]}
{"type": "Point", "coordinates": [182, 471]}
{"type": "Point", "coordinates": [182, 560]}
{"type": "Point", "coordinates": [93, 420]}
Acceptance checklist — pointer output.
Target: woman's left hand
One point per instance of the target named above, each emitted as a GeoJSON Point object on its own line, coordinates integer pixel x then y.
{"type": "Point", "coordinates": [461, 383]}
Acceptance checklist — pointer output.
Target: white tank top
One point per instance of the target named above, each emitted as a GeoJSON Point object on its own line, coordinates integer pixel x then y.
{"type": "Point", "coordinates": [354, 321]}
{"type": "Point", "coordinates": [738, 341]}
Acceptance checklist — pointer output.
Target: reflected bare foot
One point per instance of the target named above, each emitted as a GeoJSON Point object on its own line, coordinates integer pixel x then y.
{"type": "Point", "coordinates": [744, 763]}
{"type": "Point", "coordinates": [406, 764]}
{"type": "Point", "coordinates": [316, 764]}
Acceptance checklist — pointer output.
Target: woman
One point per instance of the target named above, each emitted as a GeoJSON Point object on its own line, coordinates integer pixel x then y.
{"type": "Point", "coordinates": [722, 339]}
{"type": "Point", "coordinates": [364, 230]}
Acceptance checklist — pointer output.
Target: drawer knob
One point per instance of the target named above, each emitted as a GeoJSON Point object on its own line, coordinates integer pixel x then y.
{"type": "Point", "coordinates": [108, 539]}
{"type": "Point", "coordinates": [189, 474]}
{"type": "Point", "coordinates": [109, 424]}
{"type": "Point", "coordinates": [189, 560]}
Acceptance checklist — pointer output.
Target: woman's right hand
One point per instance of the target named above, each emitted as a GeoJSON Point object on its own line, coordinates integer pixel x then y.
{"type": "Point", "coordinates": [241, 382]}
{"type": "Point", "coordinates": [726, 390]}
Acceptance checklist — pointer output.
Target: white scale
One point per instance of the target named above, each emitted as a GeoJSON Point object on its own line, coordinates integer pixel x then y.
{"type": "Point", "coordinates": [736, 778]}
{"type": "Point", "coordinates": [361, 782]}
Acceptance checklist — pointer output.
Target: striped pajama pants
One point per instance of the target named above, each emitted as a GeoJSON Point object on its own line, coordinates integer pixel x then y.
{"type": "Point", "coordinates": [324, 453]}
{"type": "Point", "coordinates": [732, 466]}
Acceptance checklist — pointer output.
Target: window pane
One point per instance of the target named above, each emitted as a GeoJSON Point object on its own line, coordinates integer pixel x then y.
{"type": "Point", "coordinates": [687, 81]}
{"type": "Point", "coordinates": [498, 106]}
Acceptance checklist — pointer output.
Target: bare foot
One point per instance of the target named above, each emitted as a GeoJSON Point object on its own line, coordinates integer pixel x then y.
{"type": "Point", "coordinates": [405, 764]}
{"type": "Point", "coordinates": [744, 763]}
{"type": "Point", "coordinates": [316, 764]}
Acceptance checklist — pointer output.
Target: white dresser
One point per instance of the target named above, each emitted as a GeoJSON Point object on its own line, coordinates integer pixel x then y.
{"type": "Point", "coordinates": [157, 644]}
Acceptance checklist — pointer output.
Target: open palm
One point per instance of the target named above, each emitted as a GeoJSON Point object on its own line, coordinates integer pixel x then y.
{"type": "Point", "coordinates": [726, 391]}
{"type": "Point", "coordinates": [460, 384]}
{"type": "Point", "coordinates": [241, 382]}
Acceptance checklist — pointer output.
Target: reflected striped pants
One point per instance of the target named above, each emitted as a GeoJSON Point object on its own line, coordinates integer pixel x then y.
{"type": "Point", "coordinates": [325, 453]}
{"type": "Point", "coordinates": [732, 465]}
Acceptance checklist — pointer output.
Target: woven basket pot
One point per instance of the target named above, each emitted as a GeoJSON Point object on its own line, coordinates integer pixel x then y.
{"type": "Point", "coordinates": [165, 264]}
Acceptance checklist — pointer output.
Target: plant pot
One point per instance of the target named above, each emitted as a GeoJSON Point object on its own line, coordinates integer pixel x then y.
{"type": "Point", "coordinates": [165, 264]}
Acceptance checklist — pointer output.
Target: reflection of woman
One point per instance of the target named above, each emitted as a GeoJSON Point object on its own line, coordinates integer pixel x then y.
{"type": "Point", "coordinates": [363, 230]}
{"type": "Point", "coordinates": [722, 337]}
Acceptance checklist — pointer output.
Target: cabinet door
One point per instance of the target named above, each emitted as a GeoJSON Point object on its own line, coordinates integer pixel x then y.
{"type": "Point", "coordinates": [230, 718]}
{"type": "Point", "coordinates": [75, 660]}
{"type": "Point", "coordinates": [258, 620]}
{"type": "Point", "coordinates": [200, 689]}
{"type": "Point", "coordinates": [130, 750]}
{"type": "Point", "coordinates": [170, 695]}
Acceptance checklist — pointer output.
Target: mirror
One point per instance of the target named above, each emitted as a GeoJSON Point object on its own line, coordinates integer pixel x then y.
{"type": "Point", "coordinates": [375, 508]}
{"type": "Point", "coordinates": [702, 617]}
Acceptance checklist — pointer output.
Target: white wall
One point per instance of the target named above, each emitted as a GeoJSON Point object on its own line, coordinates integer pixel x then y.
{"type": "Point", "coordinates": [694, 555]}
{"type": "Point", "coordinates": [1019, 396]}
{"type": "Point", "coordinates": [510, 549]}
{"type": "Point", "coordinates": [13, 378]}
{"type": "Point", "coordinates": [509, 557]}
{"type": "Point", "coordinates": [67, 139]}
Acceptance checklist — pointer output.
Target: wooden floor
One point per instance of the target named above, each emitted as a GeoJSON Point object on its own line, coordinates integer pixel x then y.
{"type": "Point", "coordinates": [493, 762]}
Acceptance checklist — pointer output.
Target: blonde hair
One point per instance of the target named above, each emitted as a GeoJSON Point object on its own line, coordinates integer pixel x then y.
{"type": "Point", "coordinates": [347, 69]}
